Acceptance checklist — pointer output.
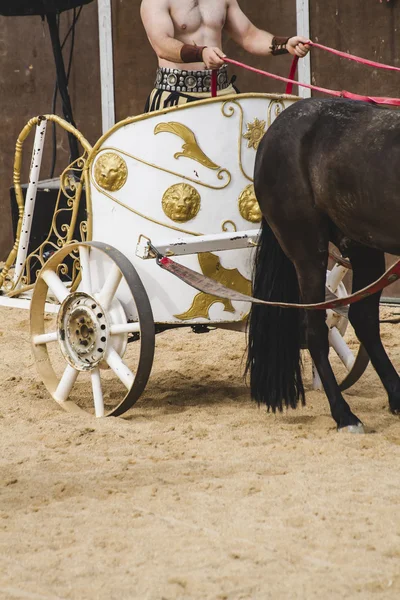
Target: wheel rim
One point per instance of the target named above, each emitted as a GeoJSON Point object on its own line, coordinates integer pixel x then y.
{"type": "Point", "coordinates": [91, 332]}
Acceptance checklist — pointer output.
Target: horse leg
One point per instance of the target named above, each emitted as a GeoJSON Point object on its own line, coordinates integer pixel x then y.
{"type": "Point", "coordinates": [368, 265]}
{"type": "Point", "coordinates": [312, 278]}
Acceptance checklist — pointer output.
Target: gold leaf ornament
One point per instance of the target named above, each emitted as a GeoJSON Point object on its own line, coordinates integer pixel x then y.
{"type": "Point", "coordinates": [255, 133]}
{"type": "Point", "coordinates": [190, 148]}
{"type": "Point", "coordinates": [210, 265]}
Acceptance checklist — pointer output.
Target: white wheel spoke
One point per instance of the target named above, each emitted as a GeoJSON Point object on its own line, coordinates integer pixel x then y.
{"type": "Point", "coordinates": [97, 392]}
{"type": "Point", "coordinates": [85, 269]}
{"type": "Point", "coordinates": [109, 288]}
{"type": "Point", "coordinates": [66, 384]}
{"type": "Point", "coordinates": [120, 369]}
{"type": "Point", "coordinates": [335, 277]}
{"type": "Point", "coordinates": [341, 348]}
{"type": "Point", "coordinates": [125, 328]}
{"type": "Point", "coordinates": [45, 338]}
{"type": "Point", "coordinates": [55, 285]}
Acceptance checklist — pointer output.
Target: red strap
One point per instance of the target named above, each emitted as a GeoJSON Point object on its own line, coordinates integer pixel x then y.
{"type": "Point", "coordinates": [293, 69]}
{"type": "Point", "coordinates": [214, 83]}
{"type": "Point", "coordinates": [343, 94]}
{"type": "Point", "coordinates": [362, 61]}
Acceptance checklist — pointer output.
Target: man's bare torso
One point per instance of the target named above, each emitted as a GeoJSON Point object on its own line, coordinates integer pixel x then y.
{"type": "Point", "coordinates": [198, 22]}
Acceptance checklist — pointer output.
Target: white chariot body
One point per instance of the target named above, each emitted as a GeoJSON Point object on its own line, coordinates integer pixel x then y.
{"type": "Point", "coordinates": [178, 180]}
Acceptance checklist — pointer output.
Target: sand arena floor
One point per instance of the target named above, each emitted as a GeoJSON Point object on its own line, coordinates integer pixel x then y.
{"type": "Point", "coordinates": [195, 493]}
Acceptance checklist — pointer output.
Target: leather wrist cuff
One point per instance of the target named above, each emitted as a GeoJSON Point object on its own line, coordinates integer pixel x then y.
{"type": "Point", "coordinates": [278, 46]}
{"type": "Point", "coordinates": [192, 54]}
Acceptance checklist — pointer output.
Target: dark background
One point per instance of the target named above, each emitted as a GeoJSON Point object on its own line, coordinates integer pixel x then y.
{"type": "Point", "coordinates": [27, 73]}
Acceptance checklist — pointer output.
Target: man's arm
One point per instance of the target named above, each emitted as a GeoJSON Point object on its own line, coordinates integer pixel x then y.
{"type": "Point", "coordinates": [160, 31]}
{"type": "Point", "coordinates": [254, 40]}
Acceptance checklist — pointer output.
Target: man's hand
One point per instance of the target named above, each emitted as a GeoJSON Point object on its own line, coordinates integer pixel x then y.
{"type": "Point", "coordinates": [213, 57]}
{"type": "Point", "coordinates": [297, 46]}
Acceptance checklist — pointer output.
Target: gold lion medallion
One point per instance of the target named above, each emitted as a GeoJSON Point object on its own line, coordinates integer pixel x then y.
{"type": "Point", "coordinates": [248, 205]}
{"type": "Point", "coordinates": [181, 202]}
{"type": "Point", "coordinates": [110, 172]}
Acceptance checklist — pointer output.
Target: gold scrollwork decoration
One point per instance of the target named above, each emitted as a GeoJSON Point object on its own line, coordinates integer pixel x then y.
{"type": "Point", "coordinates": [63, 224]}
{"type": "Point", "coordinates": [226, 228]}
{"type": "Point", "coordinates": [255, 133]}
{"type": "Point", "coordinates": [141, 215]}
{"type": "Point", "coordinates": [228, 110]}
{"type": "Point", "coordinates": [210, 265]}
{"type": "Point", "coordinates": [222, 174]}
{"type": "Point", "coordinates": [276, 106]}
{"type": "Point", "coordinates": [181, 202]}
{"type": "Point", "coordinates": [190, 148]}
{"type": "Point", "coordinates": [110, 171]}
{"type": "Point", "coordinates": [248, 205]}
{"type": "Point", "coordinates": [61, 231]}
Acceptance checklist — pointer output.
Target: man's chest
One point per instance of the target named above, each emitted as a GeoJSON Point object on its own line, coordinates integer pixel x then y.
{"type": "Point", "coordinates": [190, 15]}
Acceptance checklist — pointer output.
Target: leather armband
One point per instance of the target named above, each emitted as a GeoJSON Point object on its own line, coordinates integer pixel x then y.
{"type": "Point", "coordinates": [278, 46]}
{"type": "Point", "coordinates": [192, 54]}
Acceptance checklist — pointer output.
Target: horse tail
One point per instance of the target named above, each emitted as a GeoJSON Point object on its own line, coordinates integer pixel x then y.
{"type": "Point", "coordinates": [273, 359]}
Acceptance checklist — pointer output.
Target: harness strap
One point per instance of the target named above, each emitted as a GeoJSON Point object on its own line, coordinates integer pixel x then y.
{"type": "Point", "coordinates": [210, 286]}
{"type": "Point", "coordinates": [343, 94]}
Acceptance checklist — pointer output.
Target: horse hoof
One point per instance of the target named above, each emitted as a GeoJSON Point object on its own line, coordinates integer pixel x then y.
{"type": "Point", "coordinates": [359, 428]}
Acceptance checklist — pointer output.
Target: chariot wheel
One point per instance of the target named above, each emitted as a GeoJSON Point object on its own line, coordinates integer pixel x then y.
{"type": "Point", "coordinates": [82, 353]}
{"type": "Point", "coordinates": [348, 357]}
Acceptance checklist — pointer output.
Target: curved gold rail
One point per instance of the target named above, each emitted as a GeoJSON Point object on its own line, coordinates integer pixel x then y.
{"type": "Point", "coordinates": [17, 181]}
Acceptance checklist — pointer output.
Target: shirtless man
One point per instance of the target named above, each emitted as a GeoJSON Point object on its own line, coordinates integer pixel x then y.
{"type": "Point", "coordinates": [187, 38]}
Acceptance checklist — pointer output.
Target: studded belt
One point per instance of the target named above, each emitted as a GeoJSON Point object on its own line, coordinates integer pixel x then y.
{"type": "Point", "coordinates": [176, 80]}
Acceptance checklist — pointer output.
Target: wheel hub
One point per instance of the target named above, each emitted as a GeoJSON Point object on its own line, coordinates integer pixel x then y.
{"type": "Point", "coordinates": [83, 331]}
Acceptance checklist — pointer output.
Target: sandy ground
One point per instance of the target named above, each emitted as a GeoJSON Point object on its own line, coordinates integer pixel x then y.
{"type": "Point", "coordinates": [196, 493]}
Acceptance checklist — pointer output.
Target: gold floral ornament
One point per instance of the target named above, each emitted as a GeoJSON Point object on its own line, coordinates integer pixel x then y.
{"type": "Point", "coordinates": [248, 205]}
{"type": "Point", "coordinates": [110, 172]}
{"type": "Point", "coordinates": [181, 202]}
{"type": "Point", "coordinates": [255, 133]}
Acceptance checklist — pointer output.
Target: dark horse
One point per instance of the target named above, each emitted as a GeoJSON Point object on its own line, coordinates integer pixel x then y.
{"type": "Point", "coordinates": [326, 171]}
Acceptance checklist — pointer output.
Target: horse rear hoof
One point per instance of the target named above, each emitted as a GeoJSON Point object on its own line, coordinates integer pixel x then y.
{"type": "Point", "coordinates": [359, 428]}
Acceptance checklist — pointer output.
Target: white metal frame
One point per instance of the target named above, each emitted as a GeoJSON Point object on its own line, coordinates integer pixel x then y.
{"type": "Point", "coordinates": [193, 245]}
{"type": "Point", "coordinates": [303, 28]}
{"type": "Point", "coordinates": [106, 64]}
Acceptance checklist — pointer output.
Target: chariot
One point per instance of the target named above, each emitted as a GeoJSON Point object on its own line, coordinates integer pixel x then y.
{"type": "Point", "coordinates": [178, 181]}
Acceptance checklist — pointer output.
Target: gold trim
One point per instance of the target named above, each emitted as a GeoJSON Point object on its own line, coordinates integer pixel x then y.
{"type": "Point", "coordinates": [226, 229]}
{"type": "Point", "coordinates": [141, 215]}
{"type": "Point", "coordinates": [182, 107]}
{"type": "Point", "coordinates": [191, 148]}
{"type": "Point", "coordinates": [210, 265]}
{"type": "Point", "coordinates": [229, 115]}
{"type": "Point", "coordinates": [20, 198]}
{"type": "Point", "coordinates": [220, 173]}
{"type": "Point", "coordinates": [279, 106]}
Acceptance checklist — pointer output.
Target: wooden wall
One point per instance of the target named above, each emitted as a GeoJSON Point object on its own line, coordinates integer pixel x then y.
{"type": "Point", "coordinates": [368, 29]}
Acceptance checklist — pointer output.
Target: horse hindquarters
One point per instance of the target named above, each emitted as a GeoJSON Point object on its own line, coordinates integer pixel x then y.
{"type": "Point", "coordinates": [273, 358]}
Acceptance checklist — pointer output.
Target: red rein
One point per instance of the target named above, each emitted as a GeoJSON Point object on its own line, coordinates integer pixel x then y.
{"type": "Point", "coordinates": [343, 94]}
